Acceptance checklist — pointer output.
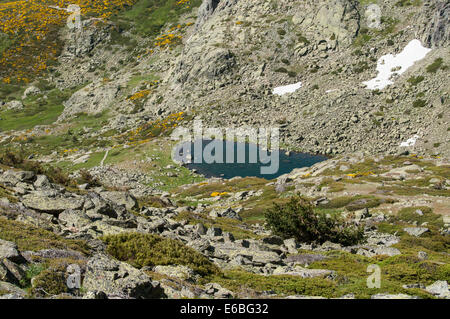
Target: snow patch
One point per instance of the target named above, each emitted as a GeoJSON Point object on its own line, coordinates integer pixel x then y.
{"type": "Point", "coordinates": [410, 142]}
{"type": "Point", "coordinates": [281, 90]}
{"type": "Point", "coordinates": [389, 64]}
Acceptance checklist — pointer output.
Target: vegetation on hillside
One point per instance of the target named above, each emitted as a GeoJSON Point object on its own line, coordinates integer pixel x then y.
{"type": "Point", "coordinates": [297, 219]}
{"type": "Point", "coordinates": [151, 250]}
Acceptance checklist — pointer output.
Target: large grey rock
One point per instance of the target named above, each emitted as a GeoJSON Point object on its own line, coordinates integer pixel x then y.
{"type": "Point", "coordinates": [303, 272]}
{"type": "Point", "coordinates": [74, 219]}
{"type": "Point", "coordinates": [11, 291]}
{"type": "Point", "coordinates": [92, 99]}
{"type": "Point", "coordinates": [9, 250]}
{"type": "Point", "coordinates": [373, 16]}
{"type": "Point", "coordinates": [42, 182]}
{"type": "Point", "coordinates": [225, 213]}
{"type": "Point", "coordinates": [205, 10]}
{"type": "Point", "coordinates": [416, 231]}
{"type": "Point", "coordinates": [120, 198]}
{"type": "Point", "coordinates": [305, 259]}
{"type": "Point", "coordinates": [14, 105]}
{"type": "Point", "coordinates": [119, 279]}
{"type": "Point", "coordinates": [10, 272]}
{"type": "Point", "coordinates": [13, 177]}
{"type": "Point", "coordinates": [180, 272]}
{"type": "Point", "coordinates": [330, 19]}
{"type": "Point", "coordinates": [39, 201]}
{"type": "Point", "coordinates": [439, 289]}
{"type": "Point", "coordinates": [31, 90]}
{"type": "Point", "coordinates": [218, 291]}
{"type": "Point", "coordinates": [437, 32]}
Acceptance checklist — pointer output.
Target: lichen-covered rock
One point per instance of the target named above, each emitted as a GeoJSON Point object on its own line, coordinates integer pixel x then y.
{"type": "Point", "coordinates": [30, 91]}
{"type": "Point", "coordinates": [9, 251]}
{"type": "Point", "coordinates": [11, 291]}
{"type": "Point", "coordinates": [437, 32]}
{"type": "Point", "coordinates": [14, 105]}
{"type": "Point", "coordinates": [40, 201]}
{"type": "Point", "coordinates": [416, 231]}
{"type": "Point", "coordinates": [332, 21]}
{"type": "Point", "coordinates": [120, 198]}
{"type": "Point", "coordinates": [439, 289]}
{"type": "Point", "coordinates": [119, 279]}
{"type": "Point", "coordinates": [303, 272]}
{"type": "Point", "coordinates": [180, 272]}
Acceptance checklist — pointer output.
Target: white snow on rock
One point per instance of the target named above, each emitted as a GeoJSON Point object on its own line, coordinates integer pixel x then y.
{"type": "Point", "coordinates": [281, 90]}
{"type": "Point", "coordinates": [389, 64]}
{"type": "Point", "coordinates": [410, 142]}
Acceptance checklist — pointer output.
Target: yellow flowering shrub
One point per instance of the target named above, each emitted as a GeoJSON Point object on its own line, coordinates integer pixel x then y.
{"type": "Point", "coordinates": [146, 132]}
{"type": "Point", "coordinates": [33, 26]}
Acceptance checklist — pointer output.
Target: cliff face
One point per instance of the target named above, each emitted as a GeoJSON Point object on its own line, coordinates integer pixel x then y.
{"type": "Point", "coordinates": [236, 52]}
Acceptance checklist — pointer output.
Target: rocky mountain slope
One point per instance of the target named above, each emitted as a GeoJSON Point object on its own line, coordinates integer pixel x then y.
{"type": "Point", "coordinates": [88, 190]}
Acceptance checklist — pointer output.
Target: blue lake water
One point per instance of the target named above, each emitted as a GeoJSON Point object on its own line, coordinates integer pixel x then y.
{"type": "Point", "coordinates": [251, 166]}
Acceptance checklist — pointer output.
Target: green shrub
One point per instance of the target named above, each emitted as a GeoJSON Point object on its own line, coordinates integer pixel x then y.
{"type": "Point", "coordinates": [297, 219]}
{"type": "Point", "coordinates": [414, 80]}
{"type": "Point", "coordinates": [419, 103]}
{"type": "Point", "coordinates": [281, 32]}
{"type": "Point", "coordinates": [281, 70]}
{"type": "Point", "coordinates": [142, 250]}
{"type": "Point", "coordinates": [410, 215]}
{"type": "Point", "coordinates": [17, 160]}
{"type": "Point", "coordinates": [435, 66]}
{"type": "Point", "coordinates": [49, 282]}
{"type": "Point", "coordinates": [28, 237]}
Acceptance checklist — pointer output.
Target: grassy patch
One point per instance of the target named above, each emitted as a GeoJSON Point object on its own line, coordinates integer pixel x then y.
{"type": "Point", "coordinates": [5, 192]}
{"type": "Point", "coordinates": [148, 17]}
{"type": "Point", "coordinates": [28, 237]}
{"type": "Point", "coordinates": [239, 281]}
{"type": "Point", "coordinates": [204, 190]}
{"type": "Point", "coordinates": [410, 215]}
{"type": "Point", "coordinates": [395, 272]}
{"type": "Point", "coordinates": [353, 203]}
{"type": "Point", "coordinates": [226, 224]}
{"type": "Point", "coordinates": [415, 191]}
{"type": "Point", "coordinates": [36, 111]}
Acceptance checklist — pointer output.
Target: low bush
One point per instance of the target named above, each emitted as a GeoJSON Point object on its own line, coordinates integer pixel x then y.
{"type": "Point", "coordinates": [142, 250]}
{"type": "Point", "coordinates": [87, 178]}
{"type": "Point", "coordinates": [49, 282]}
{"type": "Point", "coordinates": [435, 66]}
{"type": "Point", "coordinates": [297, 219]}
{"type": "Point", "coordinates": [17, 160]}
{"type": "Point", "coordinates": [419, 103]}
